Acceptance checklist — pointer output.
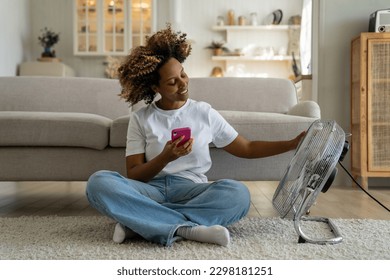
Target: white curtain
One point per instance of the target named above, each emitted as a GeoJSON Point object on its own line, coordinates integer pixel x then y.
{"type": "Point", "coordinates": [305, 40]}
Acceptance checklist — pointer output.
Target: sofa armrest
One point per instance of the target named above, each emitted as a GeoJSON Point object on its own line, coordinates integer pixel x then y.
{"type": "Point", "coordinates": [306, 108]}
{"type": "Point", "coordinates": [118, 131]}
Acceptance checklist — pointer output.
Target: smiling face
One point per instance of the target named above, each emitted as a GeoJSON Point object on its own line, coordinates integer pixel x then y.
{"type": "Point", "coordinates": [173, 85]}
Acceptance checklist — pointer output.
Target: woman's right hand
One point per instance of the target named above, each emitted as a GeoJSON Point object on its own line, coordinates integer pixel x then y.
{"type": "Point", "coordinates": [173, 151]}
{"type": "Point", "coordinates": [139, 169]}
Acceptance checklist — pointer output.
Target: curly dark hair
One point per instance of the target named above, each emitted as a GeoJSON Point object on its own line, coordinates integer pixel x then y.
{"type": "Point", "coordinates": [139, 71]}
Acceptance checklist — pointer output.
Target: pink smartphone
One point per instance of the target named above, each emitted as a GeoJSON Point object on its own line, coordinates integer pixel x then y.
{"type": "Point", "coordinates": [178, 132]}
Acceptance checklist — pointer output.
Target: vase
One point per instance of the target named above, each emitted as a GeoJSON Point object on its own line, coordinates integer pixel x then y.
{"type": "Point", "coordinates": [47, 52]}
{"type": "Point", "coordinates": [217, 51]}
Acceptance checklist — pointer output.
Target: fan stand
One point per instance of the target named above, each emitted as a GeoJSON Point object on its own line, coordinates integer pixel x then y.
{"type": "Point", "coordinates": [299, 216]}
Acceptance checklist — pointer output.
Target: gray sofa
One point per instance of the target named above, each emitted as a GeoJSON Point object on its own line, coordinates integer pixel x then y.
{"type": "Point", "coordinates": [64, 129]}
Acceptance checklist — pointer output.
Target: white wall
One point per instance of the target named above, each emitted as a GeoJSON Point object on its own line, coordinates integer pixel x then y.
{"type": "Point", "coordinates": [196, 18]}
{"type": "Point", "coordinates": [339, 22]}
{"type": "Point", "coordinates": [199, 16]}
{"type": "Point", "coordinates": [15, 35]}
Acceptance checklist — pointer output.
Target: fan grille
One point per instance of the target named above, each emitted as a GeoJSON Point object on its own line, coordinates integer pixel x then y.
{"type": "Point", "coordinates": [313, 162]}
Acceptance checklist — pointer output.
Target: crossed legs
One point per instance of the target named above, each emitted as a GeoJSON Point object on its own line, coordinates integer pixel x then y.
{"type": "Point", "coordinates": [169, 208]}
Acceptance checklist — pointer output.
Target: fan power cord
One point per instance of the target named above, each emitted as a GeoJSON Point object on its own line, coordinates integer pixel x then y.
{"type": "Point", "coordinates": [353, 179]}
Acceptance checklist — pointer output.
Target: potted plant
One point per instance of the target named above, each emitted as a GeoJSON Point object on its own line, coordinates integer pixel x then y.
{"type": "Point", "coordinates": [217, 47]}
{"type": "Point", "coordinates": [47, 40]}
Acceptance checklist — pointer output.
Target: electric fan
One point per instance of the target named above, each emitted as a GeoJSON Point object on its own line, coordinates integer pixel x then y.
{"type": "Point", "coordinates": [311, 171]}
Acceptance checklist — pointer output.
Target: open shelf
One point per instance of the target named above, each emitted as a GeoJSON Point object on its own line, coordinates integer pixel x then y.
{"type": "Point", "coordinates": [252, 58]}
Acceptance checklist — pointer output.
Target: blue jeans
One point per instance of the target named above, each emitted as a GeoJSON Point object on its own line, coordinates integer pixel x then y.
{"type": "Point", "coordinates": [155, 210]}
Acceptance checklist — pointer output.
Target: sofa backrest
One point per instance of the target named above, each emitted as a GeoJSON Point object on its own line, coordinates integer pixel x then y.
{"type": "Point", "coordinates": [245, 94]}
{"type": "Point", "coordinates": [62, 94]}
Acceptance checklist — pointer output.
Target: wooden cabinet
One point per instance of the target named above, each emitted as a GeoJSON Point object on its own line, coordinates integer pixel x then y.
{"type": "Point", "coordinates": [264, 50]}
{"type": "Point", "coordinates": [108, 27]}
{"type": "Point", "coordinates": [370, 106]}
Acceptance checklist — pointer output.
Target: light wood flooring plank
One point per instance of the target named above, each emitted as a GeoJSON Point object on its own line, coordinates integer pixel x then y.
{"type": "Point", "coordinates": [68, 199]}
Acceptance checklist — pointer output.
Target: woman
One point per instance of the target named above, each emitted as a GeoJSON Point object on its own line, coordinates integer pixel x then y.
{"type": "Point", "coordinates": [166, 195]}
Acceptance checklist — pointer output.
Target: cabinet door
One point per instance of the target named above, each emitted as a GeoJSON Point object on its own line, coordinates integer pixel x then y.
{"type": "Point", "coordinates": [111, 27]}
{"type": "Point", "coordinates": [114, 27]}
{"type": "Point", "coordinates": [378, 82]}
{"type": "Point", "coordinates": [141, 21]}
{"type": "Point", "coordinates": [86, 25]}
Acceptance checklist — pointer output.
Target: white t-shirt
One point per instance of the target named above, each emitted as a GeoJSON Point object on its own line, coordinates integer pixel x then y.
{"type": "Point", "coordinates": [150, 129]}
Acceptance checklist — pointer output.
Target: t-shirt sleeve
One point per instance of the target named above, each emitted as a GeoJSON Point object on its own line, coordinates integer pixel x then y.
{"type": "Point", "coordinates": [135, 137]}
{"type": "Point", "coordinates": [223, 133]}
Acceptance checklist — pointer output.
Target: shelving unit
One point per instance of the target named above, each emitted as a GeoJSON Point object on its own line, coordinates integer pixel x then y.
{"type": "Point", "coordinates": [254, 27]}
{"type": "Point", "coordinates": [252, 58]}
{"type": "Point", "coordinates": [259, 38]}
{"type": "Point", "coordinates": [370, 102]}
{"type": "Point", "coordinates": [108, 27]}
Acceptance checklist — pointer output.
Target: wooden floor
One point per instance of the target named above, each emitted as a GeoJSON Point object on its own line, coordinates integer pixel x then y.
{"type": "Point", "coordinates": [68, 199]}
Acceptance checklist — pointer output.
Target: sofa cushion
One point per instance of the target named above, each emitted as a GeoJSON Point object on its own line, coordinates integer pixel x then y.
{"type": "Point", "coordinates": [62, 94]}
{"type": "Point", "coordinates": [250, 94]}
{"type": "Point", "coordinates": [54, 129]}
{"type": "Point", "coordinates": [251, 125]}
{"type": "Point", "coordinates": [267, 126]}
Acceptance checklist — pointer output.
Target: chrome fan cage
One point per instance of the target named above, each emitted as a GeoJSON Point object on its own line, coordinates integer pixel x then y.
{"type": "Point", "coordinates": [311, 170]}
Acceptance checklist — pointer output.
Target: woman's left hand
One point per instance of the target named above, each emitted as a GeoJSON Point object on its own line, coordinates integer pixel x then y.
{"type": "Point", "coordinates": [298, 139]}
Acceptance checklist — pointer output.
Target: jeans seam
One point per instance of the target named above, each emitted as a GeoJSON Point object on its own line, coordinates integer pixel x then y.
{"type": "Point", "coordinates": [95, 203]}
{"type": "Point", "coordinates": [171, 236]}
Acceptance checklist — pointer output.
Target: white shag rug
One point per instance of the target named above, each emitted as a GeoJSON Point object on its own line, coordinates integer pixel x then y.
{"type": "Point", "coordinates": [89, 238]}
